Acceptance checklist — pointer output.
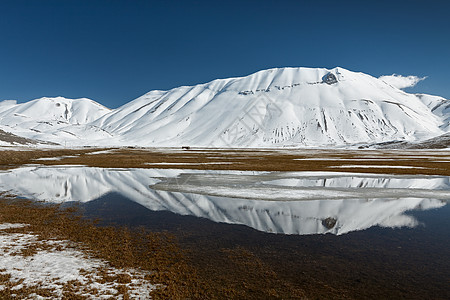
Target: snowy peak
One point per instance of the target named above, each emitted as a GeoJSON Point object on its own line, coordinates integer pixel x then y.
{"type": "Point", "coordinates": [46, 118]}
{"type": "Point", "coordinates": [271, 108]}
{"type": "Point", "coordinates": [57, 109]}
{"type": "Point", "coordinates": [276, 107]}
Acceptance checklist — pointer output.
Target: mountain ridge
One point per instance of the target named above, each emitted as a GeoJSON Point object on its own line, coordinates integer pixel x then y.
{"type": "Point", "coordinates": [278, 107]}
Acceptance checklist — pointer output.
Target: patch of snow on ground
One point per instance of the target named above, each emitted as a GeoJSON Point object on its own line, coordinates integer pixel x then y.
{"type": "Point", "coordinates": [191, 164]}
{"type": "Point", "coordinates": [56, 158]}
{"type": "Point", "coordinates": [101, 152]}
{"type": "Point", "coordinates": [58, 265]}
{"type": "Point", "coordinates": [11, 225]}
{"type": "Point", "coordinates": [377, 166]}
{"type": "Point", "coordinates": [346, 159]}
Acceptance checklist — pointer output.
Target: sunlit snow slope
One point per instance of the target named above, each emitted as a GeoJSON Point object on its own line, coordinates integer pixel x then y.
{"type": "Point", "coordinates": [270, 108]}
{"type": "Point", "coordinates": [54, 119]}
{"type": "Point", "coordinates": [288, 106]}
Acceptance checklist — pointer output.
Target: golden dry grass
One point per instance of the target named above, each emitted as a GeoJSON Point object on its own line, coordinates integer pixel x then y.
{"type": "Point", "coordinates": [15, 157]}
{"type": "Point", "coordinates": [427, 162]}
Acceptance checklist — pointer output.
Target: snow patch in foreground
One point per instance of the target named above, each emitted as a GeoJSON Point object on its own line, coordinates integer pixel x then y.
{"type": "Point", "coordinates": [378, 166]}
{"type": "Point", "coordinates": [189, 164]}
{"type": "Point", "coordinates": [56, 158]}
{"type": "Point", "coordinates": [59, 265]}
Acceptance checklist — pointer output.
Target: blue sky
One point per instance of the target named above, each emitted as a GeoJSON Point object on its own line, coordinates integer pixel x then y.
{"type": "Point", "coordinates": [115, 51]}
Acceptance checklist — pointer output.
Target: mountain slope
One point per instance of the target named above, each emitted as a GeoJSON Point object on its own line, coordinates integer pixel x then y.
{"type": "Point", "coordinates": [440, 107]}
{"type": "Point", "coordinates": [9, 139]}
{"type": "Point", "coordinates": [53, 119]}
{"type": "Point", "coordinates": [271, 108]}
{"type": "Point", "coordinates": [276, 107]}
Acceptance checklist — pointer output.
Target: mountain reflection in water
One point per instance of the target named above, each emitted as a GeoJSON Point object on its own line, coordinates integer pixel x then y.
{"type": "Point", "coordinates": [279, 202]}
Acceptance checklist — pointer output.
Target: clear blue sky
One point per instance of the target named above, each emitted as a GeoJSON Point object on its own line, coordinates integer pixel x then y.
{"type": "Point", "coordinates": [114, 51]}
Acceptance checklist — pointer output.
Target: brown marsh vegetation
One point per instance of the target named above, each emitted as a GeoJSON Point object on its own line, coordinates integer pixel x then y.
{"type": "Point", "coordinates": [426, 162]}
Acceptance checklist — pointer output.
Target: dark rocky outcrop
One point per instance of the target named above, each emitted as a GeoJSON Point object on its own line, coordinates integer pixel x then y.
{"type": "Point", "coordinates": [330, 78]}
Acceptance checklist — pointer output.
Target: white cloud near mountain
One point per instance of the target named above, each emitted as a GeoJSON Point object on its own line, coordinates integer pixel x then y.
{"type": "Point", "coordinates": [402, 82]}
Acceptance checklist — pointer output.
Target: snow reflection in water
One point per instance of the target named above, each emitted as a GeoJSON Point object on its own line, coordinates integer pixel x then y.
{"type": "Point", "coordinates": [280, 202]}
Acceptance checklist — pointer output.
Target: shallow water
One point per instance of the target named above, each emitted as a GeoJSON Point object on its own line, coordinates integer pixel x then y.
{"type": "Point", "coordinates": [332, 234]}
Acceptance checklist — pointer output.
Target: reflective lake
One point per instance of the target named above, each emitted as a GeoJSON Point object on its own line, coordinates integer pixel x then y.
{"type": "Point", "coordinates": [333, 234]}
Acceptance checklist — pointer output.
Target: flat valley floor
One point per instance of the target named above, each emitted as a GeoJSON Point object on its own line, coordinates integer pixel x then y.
{"type": "Point", "coordinates": [427, 162]}
{"type": "Point", "coordinates": [224, 259]}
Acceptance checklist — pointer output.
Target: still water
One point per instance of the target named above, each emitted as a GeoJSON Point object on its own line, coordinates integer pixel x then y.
{"type": "Point", "coordinates": [344, 235]}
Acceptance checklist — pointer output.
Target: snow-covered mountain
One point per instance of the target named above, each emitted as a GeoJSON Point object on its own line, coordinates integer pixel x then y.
{"type": "Point", "coordinates": [53, 119]}
{"type": "Point", "coordinates": [270, 108]}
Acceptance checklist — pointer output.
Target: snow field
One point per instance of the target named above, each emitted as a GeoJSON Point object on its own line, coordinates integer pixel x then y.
{"type": "Point", "coordinates": [57, 266]}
